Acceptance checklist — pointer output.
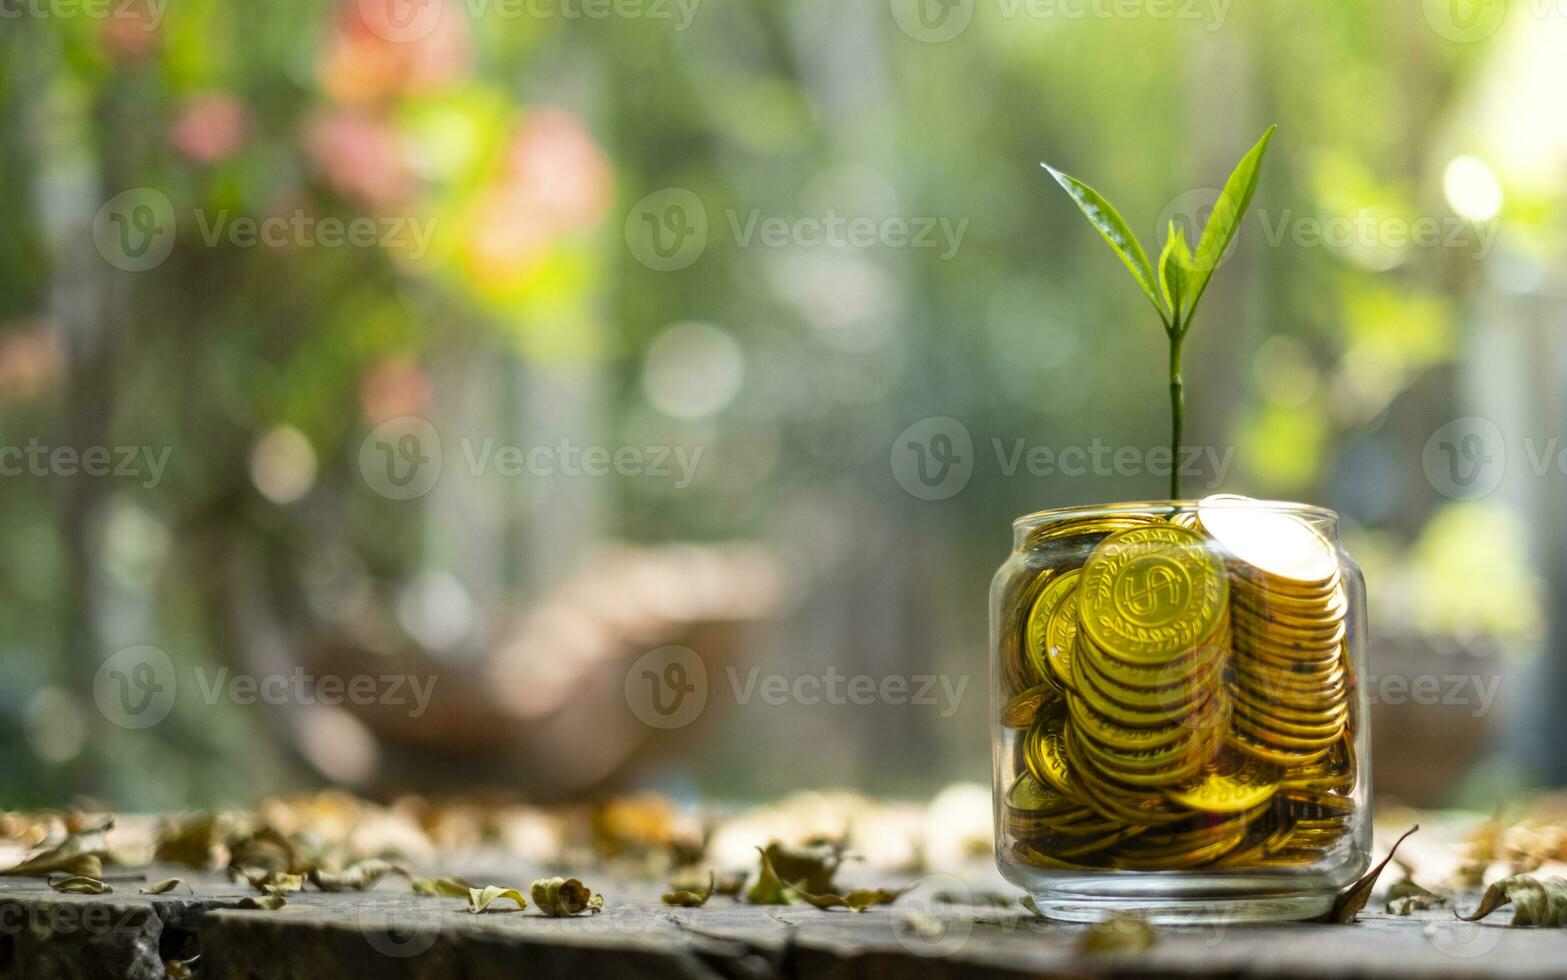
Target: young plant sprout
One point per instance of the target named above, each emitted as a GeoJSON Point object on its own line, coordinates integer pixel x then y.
{"type": "Point", "coordinates": [1178, 285]}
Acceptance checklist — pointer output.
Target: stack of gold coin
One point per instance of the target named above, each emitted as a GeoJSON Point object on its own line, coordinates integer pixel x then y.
{"type": "Point", "coordinates": [1181, 694]}
{"type": "Point", "coordinates": [1147, 700]}
{"type": "Point", "coordinates": [1289, 609]}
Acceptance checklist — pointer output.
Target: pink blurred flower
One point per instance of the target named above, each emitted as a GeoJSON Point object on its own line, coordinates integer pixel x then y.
{"type": "Point", "coordinates": [557, 171]}
{"type": "Point", "coordinates": [394, 388]}
{"type": "Point", "coordinates": [358, 155]}
{"type": "Point", "coordinates": [209, 128]}
{"type": "Point", "coordinates": [30, 359]}
{"type": "Point", "coordinates": [131, 32]}
{"type": "Point", "coordinates": [385, 48]}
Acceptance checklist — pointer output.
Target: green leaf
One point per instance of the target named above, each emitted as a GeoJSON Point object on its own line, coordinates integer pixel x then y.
{"type": "Point", "coordinates": [1175, 270]}
{"type": "Point", "coordinates": [1103, 216]}
{"type": "Point", "coordinates": [1225, 220]}
{"type": "Point", "coordinates": [480, 899]}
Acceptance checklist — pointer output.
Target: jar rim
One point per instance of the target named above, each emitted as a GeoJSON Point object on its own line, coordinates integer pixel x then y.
{"type": "Point", "coordinates": [1040, 517]}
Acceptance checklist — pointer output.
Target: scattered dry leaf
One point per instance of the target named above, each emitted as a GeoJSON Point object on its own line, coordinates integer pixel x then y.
{"type": "Point", "coordinates": [80, 885]}
{"type": "Point", "coordinates": [446, 887]}
{"type": "Point", "coordinates": [1404, 897]}
{"type": "Point", "coordinates": [1121, 933]}
{"type": "Point", "coordinates": [480, 899]}
{"type": "Point", "coordinates": [78, 854]}
{"type": "Point", "coordinates": [1352, 899]}
{"type": "Point", "coordinates": [163, 887]}
{"type": "Point", "coordinates": [769, 888]}
{"type": "Point", "coordinates": [1534, 902]}
{"type": "Point", "coordinates": [858, 900]}
{"type": "Point", "coordinates": [266, 903]}
{"type": "Point", "coordinates": [358, 877]}
{"type": "Point", "coordinates": [561, 897]}
{"type": "Point", "coordinates": [691, 898]}
{"type": "Point", "coordinates": [271, 882]}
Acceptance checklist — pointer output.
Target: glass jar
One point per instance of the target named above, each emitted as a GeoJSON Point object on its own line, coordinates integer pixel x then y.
{"type": "Point", "coordinates": [1179, 727]}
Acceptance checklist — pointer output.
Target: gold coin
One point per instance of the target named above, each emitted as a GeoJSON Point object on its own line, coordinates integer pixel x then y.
{"type": "Point", "coordinates": [1039, 618]}
{"type": "Point", "coordinates": [1045, 754]}
{"type": "Point", "coordinates": [1143, 808]}
{"type": "Point", "coordinates": [1177, 692]}
{"type": "Point", "coordinates": [1331, 726]}
{"type": "Point", "coordinates": [1061, 640]}
{"type": "Point", "coordinates": [1088, 690]}
{"type": "Point", "coordinates": [1027, 794]}
{"type": "Point", "coordinates": [1248, 700]}
{"type": "Point", "coordinates": [1192, 858]}
{"type": "Point", "coordinates": [1279, 545]}
{"type": "Point", "coordinates": [1066, 847]}
{"type": "Point", "coordinates": [1278, 739]}
{"type": "Point", "coordinates": [1021, 710]}
{"type": "Point", "coordinates": [1029, 855]}
{"type": "Point", "coordinates": [1014, 608]}
{"type": "Point", "coordinates": [1092, 526]}
{"type": "Point", "coordinates": [1234, 783]}
{"type": "Point", "coordinates": [1270, 753]}
{"type": "Point", "coordinates": [1105, 731]}
{"type": "Point", "coordinates": [1152, 594]}
{"type": "Point", "coordinates": [1164, 673]}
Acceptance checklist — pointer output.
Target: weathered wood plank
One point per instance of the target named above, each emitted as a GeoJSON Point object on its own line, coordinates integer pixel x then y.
{"type": "Point", "coordinates": [387, 932]}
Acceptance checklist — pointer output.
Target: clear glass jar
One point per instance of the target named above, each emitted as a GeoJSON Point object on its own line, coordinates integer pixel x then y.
{"type": "Point", "coordinates": [1179, 727]}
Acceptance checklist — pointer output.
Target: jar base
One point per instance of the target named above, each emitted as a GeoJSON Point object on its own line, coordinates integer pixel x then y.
{"type": "Point", "coordinates": [1166, 910]}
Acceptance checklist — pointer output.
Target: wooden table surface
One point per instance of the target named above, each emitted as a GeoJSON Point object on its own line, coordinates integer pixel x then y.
{"type": "Point", "coordinates": [388, 932]}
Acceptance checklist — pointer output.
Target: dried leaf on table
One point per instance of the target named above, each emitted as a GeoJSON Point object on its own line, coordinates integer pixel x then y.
{"type": "Point", "coordinates": [270, 882]}
{"type": "Point", "coordinates": [730, 884]}
{"type": "Point", "coordinates": [562, 897]}
{"type": "Point", "coordinates": [769, 888]}
{"type": "Point", "coordinates": [1352, 899]}
{"type": "Point", "coordinates": [163, 887]}
{"type": "Point", "coordinates": [1404, 897]}
{"type": "Point", "coordinates": [80, 885]}
{"type": "Point", "coordinates": [691, 898]}
{"type": "Point", "coordinates": [858, 900]}
{"type": "Point", "coordinates": [266, 903]}
{"type": "Point", "coordinates": [1121, 933]}
{"type": "Point", "coordinates": [1534, 902]}
{"type": "Point", "coordinates": [358, 877]}
{"type": "Point", "coordinates": [811, 867]}
{"type": "Point", "coordinates": [79, 854]}
{"type": "Point", "coordinates": [446, 887]}
{"type": "Point", "coordinates": [480, 899]}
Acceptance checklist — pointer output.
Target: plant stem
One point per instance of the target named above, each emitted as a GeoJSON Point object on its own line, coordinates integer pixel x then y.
{"type": "Point", "coordinates": [1177, 416]}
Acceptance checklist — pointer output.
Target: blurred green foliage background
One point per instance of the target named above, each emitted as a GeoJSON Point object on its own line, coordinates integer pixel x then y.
{"type": "Point", "coordinates": [526, 137]}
